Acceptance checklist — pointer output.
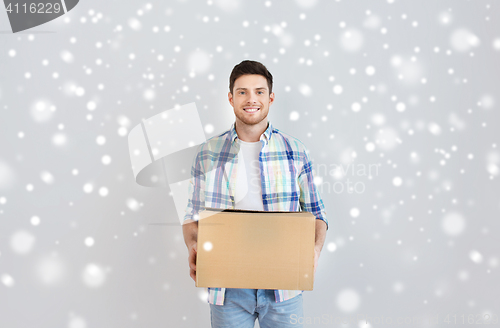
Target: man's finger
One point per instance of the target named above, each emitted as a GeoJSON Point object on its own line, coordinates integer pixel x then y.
{"type": "Point", "coordinates": [192, 258]}
{"type": "Point", "coordinates": [192, 261]}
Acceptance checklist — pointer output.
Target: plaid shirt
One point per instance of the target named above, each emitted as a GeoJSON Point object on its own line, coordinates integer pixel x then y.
{"type": "Point", "coordinates": [286, 181]}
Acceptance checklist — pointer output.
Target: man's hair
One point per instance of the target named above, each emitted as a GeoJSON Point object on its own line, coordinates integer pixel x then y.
{"type": "Point", "coordinates": [250, 67]}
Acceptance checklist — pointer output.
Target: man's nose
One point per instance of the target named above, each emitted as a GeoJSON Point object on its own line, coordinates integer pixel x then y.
{"type": "Point", "coordinates": [252, 99]}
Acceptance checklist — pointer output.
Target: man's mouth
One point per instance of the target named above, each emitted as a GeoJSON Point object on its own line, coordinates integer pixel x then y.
{"type": "Point", "coordinates": [251, 109]}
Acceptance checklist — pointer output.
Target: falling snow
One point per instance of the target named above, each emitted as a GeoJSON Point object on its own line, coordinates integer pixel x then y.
{"type": "Point", "coordinates": [397, 104]}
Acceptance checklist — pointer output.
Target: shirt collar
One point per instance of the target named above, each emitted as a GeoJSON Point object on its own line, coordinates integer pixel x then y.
{"type": "Point", "coordinates": [265, 136]}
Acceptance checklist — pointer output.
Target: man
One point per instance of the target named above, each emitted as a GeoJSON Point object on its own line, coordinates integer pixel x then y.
{"type": "Point", "coordinates": [252, 166]}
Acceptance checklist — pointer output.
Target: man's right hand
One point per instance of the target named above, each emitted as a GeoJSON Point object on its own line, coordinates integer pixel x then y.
{"type": "Point", "coordinates": [192, 261]}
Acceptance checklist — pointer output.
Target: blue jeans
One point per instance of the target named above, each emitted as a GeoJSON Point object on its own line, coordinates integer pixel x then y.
{"type": "Point", "coordinates": [242, 306]}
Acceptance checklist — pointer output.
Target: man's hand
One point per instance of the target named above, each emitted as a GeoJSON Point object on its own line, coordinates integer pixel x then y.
{"type": "Point", "coordinates": [192, 261]}
{"type": "Point", "coordinates": [316, 258]}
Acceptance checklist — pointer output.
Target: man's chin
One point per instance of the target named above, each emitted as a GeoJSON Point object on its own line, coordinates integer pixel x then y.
{"type": "Point", "coordinates": [251, 122]}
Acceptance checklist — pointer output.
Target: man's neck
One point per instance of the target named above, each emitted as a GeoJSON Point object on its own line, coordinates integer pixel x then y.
{"type": "Point", "coordinates": [250, 133]}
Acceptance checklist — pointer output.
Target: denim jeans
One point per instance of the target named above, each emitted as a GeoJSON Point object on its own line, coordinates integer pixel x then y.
{"type": "Point", "coordinates": [242, 306]}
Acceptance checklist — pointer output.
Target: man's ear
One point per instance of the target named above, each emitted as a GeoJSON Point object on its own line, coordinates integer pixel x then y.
{"type": "Point", "coordinates": [230, 97]}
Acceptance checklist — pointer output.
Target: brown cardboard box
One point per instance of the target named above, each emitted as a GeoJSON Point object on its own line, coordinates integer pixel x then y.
{"type": "Point", "coordinates": [255, 249]}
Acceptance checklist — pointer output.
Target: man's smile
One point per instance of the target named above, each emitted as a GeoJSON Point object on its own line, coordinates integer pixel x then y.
{"type": "Point", "coordinates": [251, 109]}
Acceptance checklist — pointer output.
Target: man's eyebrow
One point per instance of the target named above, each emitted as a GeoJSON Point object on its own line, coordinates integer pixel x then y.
{"type": "Point", "coordinates": [255, 89]}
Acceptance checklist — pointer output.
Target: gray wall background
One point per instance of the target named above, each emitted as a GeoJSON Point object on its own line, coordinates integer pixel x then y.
{"type": "Point", "coordinates": [82, 245]}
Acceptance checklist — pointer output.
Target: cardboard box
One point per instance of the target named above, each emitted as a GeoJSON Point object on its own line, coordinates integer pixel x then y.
{"type": "Point", "coordinates": [255, 249]}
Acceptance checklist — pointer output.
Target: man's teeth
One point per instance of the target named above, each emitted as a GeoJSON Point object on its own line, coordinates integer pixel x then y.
{"type": "Point", "coordinates": [251, 109]}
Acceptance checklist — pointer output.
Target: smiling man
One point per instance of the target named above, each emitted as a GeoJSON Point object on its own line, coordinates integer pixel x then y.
{"type": "Point", "coordinates": [238, 169]}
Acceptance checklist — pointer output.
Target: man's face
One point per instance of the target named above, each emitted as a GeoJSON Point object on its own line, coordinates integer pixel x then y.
{"type": "Point", "coordinates": [251, 99]}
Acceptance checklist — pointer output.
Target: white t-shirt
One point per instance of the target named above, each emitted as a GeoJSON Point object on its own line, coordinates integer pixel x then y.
{"type": "Point", "coordinates": [248, 193]}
